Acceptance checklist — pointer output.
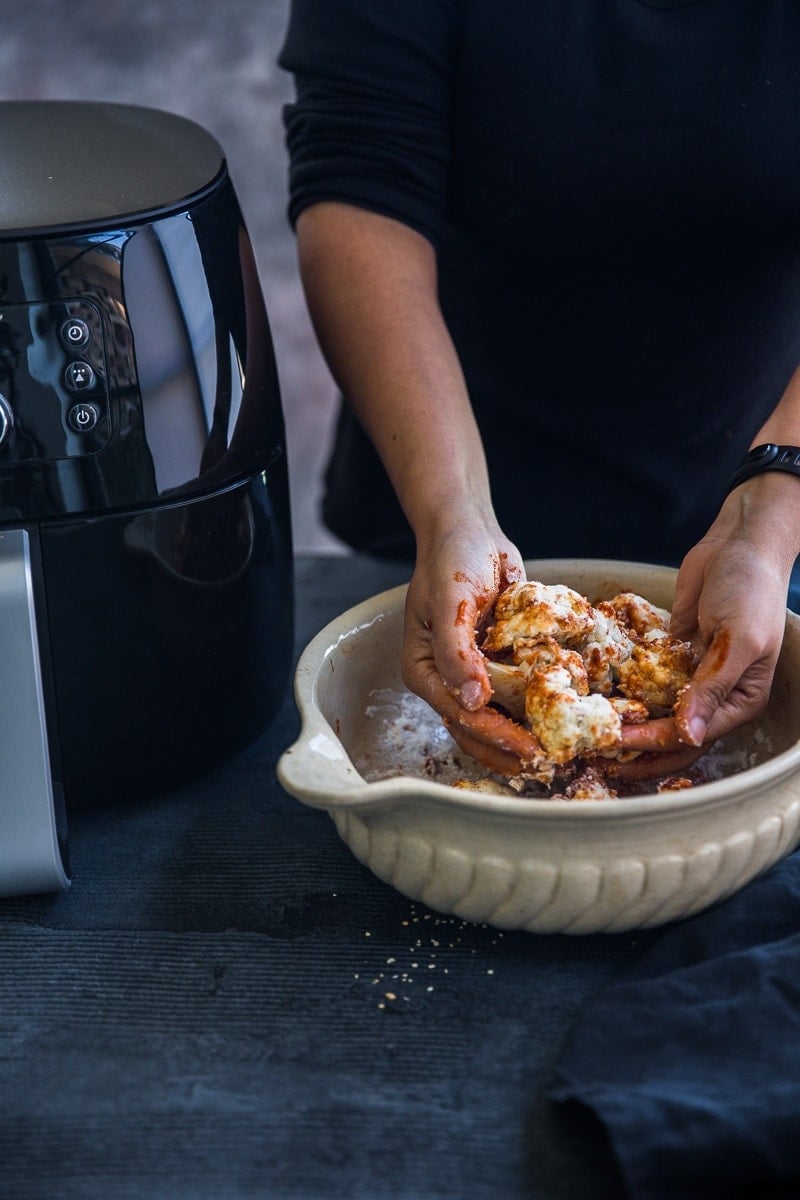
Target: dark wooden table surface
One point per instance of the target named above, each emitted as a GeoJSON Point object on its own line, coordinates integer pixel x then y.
{"type": "Point", "coordinates": [204, 1013]}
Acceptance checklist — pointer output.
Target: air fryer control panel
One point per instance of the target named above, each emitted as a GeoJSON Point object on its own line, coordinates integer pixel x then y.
{"type": "Point", "coordinates": [54, 400]}
{"type": "Point", "coordinates": [123, 357]}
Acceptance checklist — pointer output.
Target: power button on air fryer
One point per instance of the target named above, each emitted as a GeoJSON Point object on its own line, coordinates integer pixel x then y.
{"type": "Point", "coordinates": [83, 417]}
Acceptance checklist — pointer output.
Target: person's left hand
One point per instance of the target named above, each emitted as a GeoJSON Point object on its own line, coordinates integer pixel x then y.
{"type": "Point", "coordinates": [730, 598]}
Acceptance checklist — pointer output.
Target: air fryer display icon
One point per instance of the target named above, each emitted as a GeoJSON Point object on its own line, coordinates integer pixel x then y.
{"type": "Point", "coordinates": [79, 377]}
{"type": "Point", "coordinates": [74, 334]}
{"type": "Point", "coordinates": [83, 417]}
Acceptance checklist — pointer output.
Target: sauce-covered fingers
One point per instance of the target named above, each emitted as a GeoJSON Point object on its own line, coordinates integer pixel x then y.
{"type": "Point", "coordinates": [660, 735]}
{"type": "Point", "coordinates": [651, 765]}
{"type": "Point", "coordinates": [493, 729]}
{"type": "Point", "coordinates": [503, 745]}
{"type": "Point", "coordinates": [445, 645]}
{"type": "Point", "coordinates": [494, 759]}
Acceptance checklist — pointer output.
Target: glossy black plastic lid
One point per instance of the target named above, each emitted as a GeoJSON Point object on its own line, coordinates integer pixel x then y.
{"type": "Point", "coordinates": [69, 165]}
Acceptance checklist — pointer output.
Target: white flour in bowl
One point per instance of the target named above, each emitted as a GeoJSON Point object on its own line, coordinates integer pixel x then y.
{"type": "Point", "coordinates": [402, 735]}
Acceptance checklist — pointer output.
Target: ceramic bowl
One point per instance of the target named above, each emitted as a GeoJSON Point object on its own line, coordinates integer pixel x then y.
{"type": "Point", "coordinates": [371, 755]}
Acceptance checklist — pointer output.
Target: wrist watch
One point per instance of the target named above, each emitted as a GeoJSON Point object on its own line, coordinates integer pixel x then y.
{"type": "Point", "coordinates": [767, 457]}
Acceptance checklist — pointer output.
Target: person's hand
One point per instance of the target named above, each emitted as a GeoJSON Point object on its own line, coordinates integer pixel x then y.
{"type": "Point", "coordinates": [660, 750]}
{"type": "Point", "coordinates": [462, 566]}
{"type": "Point", "coordinates": [730, 599]}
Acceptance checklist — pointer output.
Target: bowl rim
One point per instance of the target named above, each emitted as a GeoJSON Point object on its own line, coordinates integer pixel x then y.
{"type": "Point", "coordinates": [347, 788]}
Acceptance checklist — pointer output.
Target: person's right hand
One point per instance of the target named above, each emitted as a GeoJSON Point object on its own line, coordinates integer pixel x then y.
{"type": "Point", "coordinates": [462, 567]}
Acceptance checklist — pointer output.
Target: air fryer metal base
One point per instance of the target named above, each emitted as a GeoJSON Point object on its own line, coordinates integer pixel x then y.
{"type": "Point", "coordinates": [30, 856]}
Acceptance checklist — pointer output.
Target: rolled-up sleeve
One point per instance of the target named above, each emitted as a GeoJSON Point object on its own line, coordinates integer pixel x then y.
{"type": "Point", "coordinates": [371, 122]}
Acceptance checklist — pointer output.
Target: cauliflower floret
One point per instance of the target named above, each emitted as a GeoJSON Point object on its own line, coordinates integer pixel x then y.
{"type": "Point", "coordinates": [541, 655]}
{"type": "Point", "coordinates": [605, 649]}
{"type": "Point", "coordinates": [632, 712]}
{"type": "Point", "coordinates": [657, 666]}
{"type": "Point", "coordinates": [574, 672]}
{"type": "Point", "coordinates": [566, 723]}
{"type": "Point", "coordinates": [534, 611]}
{"type": "Point", "coordinates": [656, 672]}
{"type": "Point", "coordinates": [634, 613]}
{"type": "Point", "coordinates": [590, 785]}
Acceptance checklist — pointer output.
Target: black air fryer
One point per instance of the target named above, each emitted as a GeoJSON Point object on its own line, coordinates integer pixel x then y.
{"type": "Point", "coordinates": [145, 553]}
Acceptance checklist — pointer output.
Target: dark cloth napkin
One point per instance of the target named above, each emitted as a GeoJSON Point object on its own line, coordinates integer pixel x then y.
{"type": "Point", "coordinates": [692, 1059]}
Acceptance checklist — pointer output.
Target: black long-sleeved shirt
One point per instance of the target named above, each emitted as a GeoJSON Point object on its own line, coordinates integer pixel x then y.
{"type": "Point", "coordinates": [613, 190]}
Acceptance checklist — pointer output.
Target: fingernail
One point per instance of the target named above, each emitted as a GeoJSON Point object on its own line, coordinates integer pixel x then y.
{"type": "Point", "coordinates": [471, 694]}
{"type": "Point", "coordinates": [696, 730]}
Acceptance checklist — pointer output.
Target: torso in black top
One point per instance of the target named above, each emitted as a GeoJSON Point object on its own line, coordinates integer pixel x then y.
{"type": "Point", "coordinates": [614, 192]}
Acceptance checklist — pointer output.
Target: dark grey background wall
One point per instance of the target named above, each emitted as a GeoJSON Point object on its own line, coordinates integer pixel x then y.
{"type": "Point", "coordinates": [216, 63]}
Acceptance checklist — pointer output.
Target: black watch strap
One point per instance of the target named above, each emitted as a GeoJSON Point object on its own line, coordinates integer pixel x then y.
{"type": "Point", "coordinates": [767, 457]}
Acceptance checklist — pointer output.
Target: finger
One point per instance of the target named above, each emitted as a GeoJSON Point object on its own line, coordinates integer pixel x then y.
{"type": "Point", "coordinates": [458, 654]}
{"type": "Point", "coordinates": [660, 735]}
{"type": "Point", "coordinates": [493, 729]}
{"type": "Point", "coordinates": [684, 612]}
{"type": "Point", "coordinates": [487, 725]}
{"type": "Point", "coordinates": [496, 760]}
{"type": "Point", "coordinates": [444, 611]}
{"type": "Point", "coordinates": [512, 570]}
{"type": "Point", "coordinates": [652, 766]}
{"type": "Point", "coordinates": [455, 650]}
{"type": "Point", "coordinates": [447, 649]}
{"type": "Point", "coordinates": [727, 663]}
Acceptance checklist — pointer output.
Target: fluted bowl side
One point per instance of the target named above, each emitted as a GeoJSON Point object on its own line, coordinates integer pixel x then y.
{"type": "Point", "coordinates": [537, 864]}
